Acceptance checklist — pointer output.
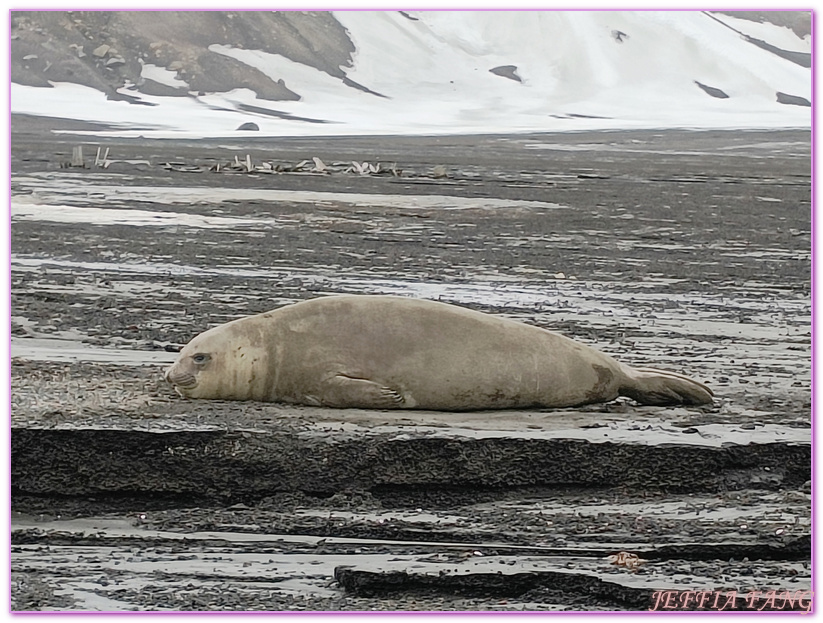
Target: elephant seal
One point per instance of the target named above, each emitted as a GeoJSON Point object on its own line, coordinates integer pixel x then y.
{"type": "Point", "coordinates": [387, 352]}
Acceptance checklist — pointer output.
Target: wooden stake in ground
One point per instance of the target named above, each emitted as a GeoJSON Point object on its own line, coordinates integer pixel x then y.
{"type": "Point", "coordinates": [77, 157]}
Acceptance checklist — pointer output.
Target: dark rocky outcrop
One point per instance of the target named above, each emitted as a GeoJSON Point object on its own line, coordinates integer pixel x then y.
{"type": "Point", "coordinates": [106, 50]}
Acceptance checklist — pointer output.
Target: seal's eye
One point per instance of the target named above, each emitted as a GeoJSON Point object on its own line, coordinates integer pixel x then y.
{"type": "Point", "coordinates": [200, 358]}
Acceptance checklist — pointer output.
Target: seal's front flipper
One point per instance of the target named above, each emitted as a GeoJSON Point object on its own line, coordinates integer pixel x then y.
{"type": "Point", "coordinates": [659, 387]}
{"type": "Point", "coordinates": [343, 392]}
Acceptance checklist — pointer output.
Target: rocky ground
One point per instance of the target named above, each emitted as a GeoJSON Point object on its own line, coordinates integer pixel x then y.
{"type": "Point", "coordinates": [683, 250]}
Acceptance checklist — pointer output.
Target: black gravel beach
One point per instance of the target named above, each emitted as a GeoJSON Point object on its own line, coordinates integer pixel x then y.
{"type": "Point", "coordinates": [682, 250]}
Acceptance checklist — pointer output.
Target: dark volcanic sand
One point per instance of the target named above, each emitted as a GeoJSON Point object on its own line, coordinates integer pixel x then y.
{"type": "Point", "coordinates": [675, 249]}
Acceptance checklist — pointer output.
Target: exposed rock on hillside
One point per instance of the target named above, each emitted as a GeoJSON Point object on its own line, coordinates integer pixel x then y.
{"type": "Point", "coordinates": [107, 50]}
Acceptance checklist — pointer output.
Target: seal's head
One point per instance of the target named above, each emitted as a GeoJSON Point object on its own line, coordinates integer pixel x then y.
{"type": "Point", "coordinates": [220, 364]}
{"type": "Point", "coordinates": [183, 374]}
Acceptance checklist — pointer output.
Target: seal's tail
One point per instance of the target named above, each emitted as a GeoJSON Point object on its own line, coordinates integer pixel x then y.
{"type": "Point", "coordinates": [659, 387]}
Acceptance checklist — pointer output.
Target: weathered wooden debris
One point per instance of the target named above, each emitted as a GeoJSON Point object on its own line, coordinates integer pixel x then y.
{"type": "Point", "coordinates": [314, 166]}
{"type": "Point", "coordinates": [103, 162]}
{"type": "Point", "coordinates": [77, 157]}
{"type": "Point", "coordinates": [76, 161]}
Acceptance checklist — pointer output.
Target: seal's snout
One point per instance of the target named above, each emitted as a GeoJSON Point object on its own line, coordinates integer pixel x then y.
{"type": "Point", "coordinates": [180, 378]}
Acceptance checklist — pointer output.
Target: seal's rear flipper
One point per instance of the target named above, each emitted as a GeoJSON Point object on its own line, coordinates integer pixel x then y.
{"type": "Point", "coordinates": [659, 387]}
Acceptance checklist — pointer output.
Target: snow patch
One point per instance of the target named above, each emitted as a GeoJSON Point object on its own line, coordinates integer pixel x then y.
{"type": "Point", "coordinates": [163, 76]}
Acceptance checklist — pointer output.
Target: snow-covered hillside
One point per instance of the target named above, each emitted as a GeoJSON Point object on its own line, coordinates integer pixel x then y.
{"type": "Point", "coordinates": [462, 72]}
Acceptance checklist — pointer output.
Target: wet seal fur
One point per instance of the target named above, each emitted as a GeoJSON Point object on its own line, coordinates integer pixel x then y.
{"type": "Point", "coordinates": [387, 352]}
